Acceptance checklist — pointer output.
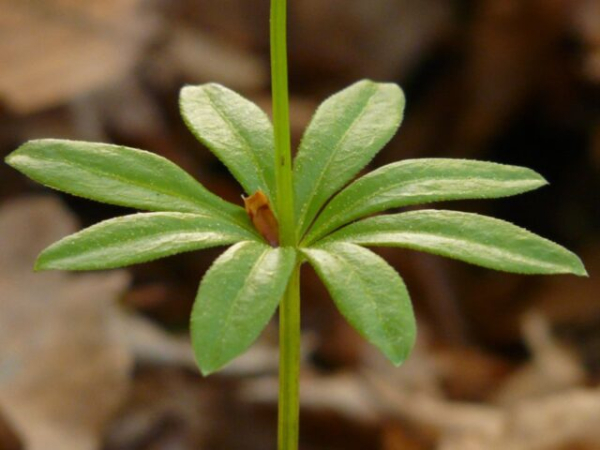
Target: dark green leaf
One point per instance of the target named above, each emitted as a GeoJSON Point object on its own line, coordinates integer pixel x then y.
{"type": "Point", "coordinates": [139, 238]}
{"type": "Point", "coordinates": [236, 299]}
{"type": "Point", "coordinates": [118, 175]}
{"type": "Point", "coordinates": [346, 132]}
{"type": "Point", "coordinates": [236, 130]}
{"type": "Point", "coordinates": [370, 294]}
{"type": "Point", "coordinates": [417, 181]}
{"type": "Point", "coordinates": [472, 238]}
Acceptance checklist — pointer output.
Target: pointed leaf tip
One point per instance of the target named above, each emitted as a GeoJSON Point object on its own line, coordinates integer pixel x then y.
{"type": "Point", "coordinates": [206, 372]}
{"type": "Point", "coordinates": [40, 266]}
{"type": "Point", "coordinates": [579, 268]}
{"type": "Point", "coordinates": [138, 238]}
{"type": "Point", "coordinates": [9, 159]}
{"type": "Point", "coordinates": [118, 175]}
{"type": "Point", "coordinates": [419, 181]}
{"type": "Point", "coordinates": [479, 240]}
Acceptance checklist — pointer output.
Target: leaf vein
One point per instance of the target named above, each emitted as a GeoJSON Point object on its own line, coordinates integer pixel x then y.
{"type": "Point", "coordinates": [332, 155]}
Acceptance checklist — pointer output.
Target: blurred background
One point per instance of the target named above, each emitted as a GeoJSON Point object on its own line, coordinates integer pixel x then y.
{"type": "Point", "coordinates": [102, 360]}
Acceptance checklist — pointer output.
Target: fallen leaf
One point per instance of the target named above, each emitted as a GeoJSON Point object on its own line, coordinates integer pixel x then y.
{"type": "Point", "coordinates": [60, 349]}
{"type": "Point", "coordinates": [54, 50]}
{"type": "Point", "coordinates": [8, 438]}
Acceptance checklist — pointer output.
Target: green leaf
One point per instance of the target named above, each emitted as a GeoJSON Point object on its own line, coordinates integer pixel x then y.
{"type": "Point", "coordinates": [370, 294]}
{"type": "Point", "coordinates": [417, 181]}
{"type": "Point", "coordinates": [139, 238]}
{"type": "Point", "coordinates": [236, 299]}
{"type": "Point", "coordinates": [346, 132]}
{"type": "Point", "coordinates": [472, 238]}
{"type": "Point", "coordinates": [118, 175]}
{"type": "Point", "coordinates": [237, 131]}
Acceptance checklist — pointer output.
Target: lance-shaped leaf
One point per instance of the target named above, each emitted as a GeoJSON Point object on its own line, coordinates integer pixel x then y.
{"type": "Point", "coordinates": [237, 131]}
{"type": "Point", "coordinates": [139, 238]}
{"type": "Point", "coordinates": [236, 299]}
{"type": "Point", "coordinates": [118, 175]}
{"type": "Point", "coordinates": [370, 294]}
{"type": "Point", "coordinates": [346, 132]}
{"type": "Point", "coordinates": [418, 181]}
{"type": "Point", "coordinates": [472, 238]}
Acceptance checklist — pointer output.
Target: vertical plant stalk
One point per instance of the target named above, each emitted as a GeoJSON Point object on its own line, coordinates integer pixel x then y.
{"type": "Point", "coordinates": [281, 123]}
{"type": "Point", "coordinates": [289, 365]}
{"type": "Point", "coordinates": [289, 310]}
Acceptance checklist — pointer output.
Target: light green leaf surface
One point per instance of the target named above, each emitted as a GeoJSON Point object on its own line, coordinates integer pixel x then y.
{"type": "Point", "coordinates": [472, 238]}
{"type": "Point", "coordinates": [370, 294]}
{"type": "Point", "coordinates": [418, 181]}
{"type": "Point", "coordinates": [236, 299]}
{"type": "Point", "coordinates": [237, 131]}
{"type": "Point", "coordinates": [346, 132]}
{"type": "Point", "coordinates": [138, 238]}
{"type": "Point", "coordinates": [118, 175]}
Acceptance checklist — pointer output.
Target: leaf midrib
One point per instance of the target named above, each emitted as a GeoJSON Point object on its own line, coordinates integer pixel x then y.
{"type": "Point", "coordinates": [158, 233]}
{"type": "Point", "coordinates": [386, 188]}
{"type": "Point", "coordinates": [479, 246]}
{"type": "Point", "coordinates": [247, 147]}
{"type": "Point", "coordinates": [187, 234]}
{"type": "Point", "coordinates": [170, 251]}
{"type": "Point", "coordinates": [358, 275]}
{"type": "Point", "coordinates": [221, 334]}
{"type": "Point", "coordinates": [147, 187]}
{"type": "Point", "coordinates": [332, 155]}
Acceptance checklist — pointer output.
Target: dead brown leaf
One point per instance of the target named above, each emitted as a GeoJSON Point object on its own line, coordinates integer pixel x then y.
{"type": "Point", "coordinates": [61, 353]}
{"type": "Point", "coordinates": [52, 51]}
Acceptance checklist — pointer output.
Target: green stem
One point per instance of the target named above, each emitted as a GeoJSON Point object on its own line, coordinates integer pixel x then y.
{"type": "Point", "coordinates": [289, 310]}
{"type": "Point", "coordinates": [281, 123]}
{"type": "Point", "coordinates": [289, 365]}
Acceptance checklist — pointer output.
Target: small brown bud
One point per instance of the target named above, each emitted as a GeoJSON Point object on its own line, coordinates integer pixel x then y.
{"type": "Point", "coordinates": [260, 212]}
